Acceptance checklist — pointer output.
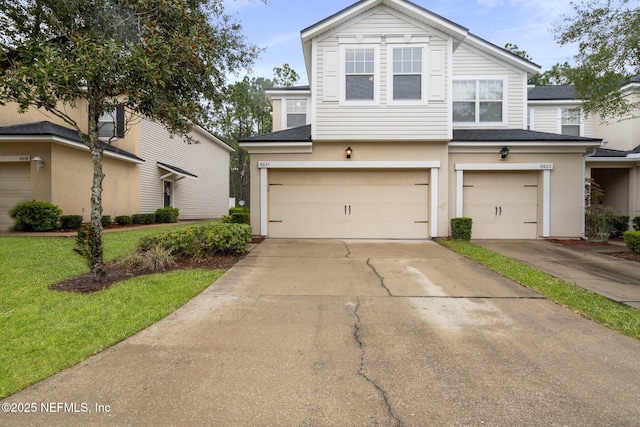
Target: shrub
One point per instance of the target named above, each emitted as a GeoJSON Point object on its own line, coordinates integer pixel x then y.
{"type": "Point", "coordinates": [184, 242]}
{"type": "Point", "coordinates": [236, 210]}
{"type": "Point", "coordinates": [225, 238]}
{"type": "Point", "coordinates": [240, 218]}
{"type": "Point", "coordinates": [143, 218]}
{"type": "Point", "coordinates": [619, 224]}
{"type": "Point", "coordinates": [36, 216]}
{"type": "Point", "coordinates": [71, 222]}
{"type": "Point", "coordinates": [106, 220]}
{"type": "Point", "coordinates": [123, 220]}
{"type": "Point", "coordinates": [599, 222]}
{"type": "Point", "coordinates": [636, 223]}
{"type": "Point", "coordinates": [86, 244]}
{"type": "Point", "coordinates": [461, 228]}
{"type": "Point", "coordinates": [167, 214]}
{"type": "Point", "coordinates": [632, 240]}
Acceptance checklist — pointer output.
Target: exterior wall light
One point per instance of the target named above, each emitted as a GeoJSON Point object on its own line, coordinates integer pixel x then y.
{"type": "Point", "coordinates": [39, 162]}
{"type": "Point", "coordinates": [348, 151]}
{"type": "Point", "coordinates": [504, 153]}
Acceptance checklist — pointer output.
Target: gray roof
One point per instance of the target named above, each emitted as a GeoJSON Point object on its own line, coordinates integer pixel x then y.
{"type": "Point", "coordinates": [605, 152]}
{"type": "Point", "coordinates": [176, 169]}
{"type": "Point", "coordinates": [512, 135]}
{"type": "Point", "coordinates": [46, 128]}
{"type": "Point", "coordinates": [302, 133]}
{"type": "Point", "coordinates": [551, 93]}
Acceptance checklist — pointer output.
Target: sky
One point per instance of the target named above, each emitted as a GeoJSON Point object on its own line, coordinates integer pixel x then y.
{"type": "Point", "coordinates": [275, 26]}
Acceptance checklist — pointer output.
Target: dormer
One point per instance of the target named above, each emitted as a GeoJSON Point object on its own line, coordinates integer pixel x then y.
{"type": "Point", "coordinates": [291, 107]}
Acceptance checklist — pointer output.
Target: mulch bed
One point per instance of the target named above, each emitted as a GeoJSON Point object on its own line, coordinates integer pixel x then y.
{"type": "Point", "coordinates": [627, 255]}
{"type": "Point", "coordinates": [115, 273]}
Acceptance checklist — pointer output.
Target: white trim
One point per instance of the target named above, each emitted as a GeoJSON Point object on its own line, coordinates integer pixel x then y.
{"type": "Point", "coordinates": [628, 159]}
{"type": "Point", "coordinates": [264, 202]}
{"type": "Point", "coordinates": [546, 203]}
{"type": "Point", "coordinates": [348, 165]}
{"type": "Point", "coordinates": [433, 203]}
{"type": "Point", "coordinates": [459, 193]}
{"type": "Point", "coordinates": [179, 175]}
{"type": "Point", "coordinates": [503, 166]}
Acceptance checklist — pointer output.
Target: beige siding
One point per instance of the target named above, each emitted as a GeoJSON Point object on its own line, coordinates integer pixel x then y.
{"type": "Point", "coordinates": [469, 63]}
{"type": "Point", "coordinates": [386, 122]}
{"type": "Point", "coordinates": [205, 197]}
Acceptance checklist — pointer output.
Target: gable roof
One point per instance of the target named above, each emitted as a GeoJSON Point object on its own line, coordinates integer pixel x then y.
{"type": "Point", "coordinates": [418, 13]}
{"type": "Point", "coordinates": [60, 134]}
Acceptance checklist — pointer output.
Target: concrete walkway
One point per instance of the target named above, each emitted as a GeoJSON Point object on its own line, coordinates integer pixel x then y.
{"type": "Point", "coordinates": [352, 333]}
{"type": "Point", "coordinates": [590, 267]}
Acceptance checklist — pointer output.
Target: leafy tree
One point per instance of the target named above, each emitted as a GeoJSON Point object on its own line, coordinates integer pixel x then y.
{"type": "Point", "coordinates": [247, 112]}
{"type": "Point", "coordinates": [555, 76]}
{"type": "Point", "coordinates": [608, 42]}
{"type": "Point", "coordinates": [163, 59]}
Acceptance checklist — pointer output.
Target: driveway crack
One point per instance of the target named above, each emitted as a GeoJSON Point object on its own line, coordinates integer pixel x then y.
{"type": "Point", "coordinates": [379, 277]}
{"type": "Point", "coordinates": [347, 248]}
{"type": "Point", "coordinates": [361, 370]}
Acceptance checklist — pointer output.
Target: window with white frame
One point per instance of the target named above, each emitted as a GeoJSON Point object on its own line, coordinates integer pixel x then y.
{"type": "Point", "coordinates": [529, 118]}
{"type": "Point", "coordinates": [570, 122]}
{"type": "Point", "coordinates": [111, 124]}
{"type": "Point", "coordinates": [359, 66]}
{"type": "Point", "coordinates": [407, 73]}
{"type": "Point", "coordinates": [478, 101]}
{"type": "Point", "coordinates": [296, 113]}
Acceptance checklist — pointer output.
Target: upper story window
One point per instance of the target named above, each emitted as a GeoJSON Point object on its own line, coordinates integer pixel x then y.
{"type": "Point", "coordinates": [529, 118]}
{"type": "Point", "coordinates": [296, 113]}
{"type": "Point", "coordinates": [478, 101]}
{"type": "Point", "coordinates": [407, 73]}
{"type": "Point", "coordinates": [359, 66]}
{"type": "Point", "coordinates": [111, 124]}
{"type": "Point", "coordinates": [570, 122]}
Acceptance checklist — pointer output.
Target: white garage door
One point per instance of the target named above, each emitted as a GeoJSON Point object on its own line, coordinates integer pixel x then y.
{"type": "Point", "coordinates": [388, 204]}
{"type": "Point", "coordinates": [503, 205]}
{"type": "Point", "coordinates": [15, 187]}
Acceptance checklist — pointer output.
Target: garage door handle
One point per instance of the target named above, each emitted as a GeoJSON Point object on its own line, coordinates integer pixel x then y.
{"type": "Point", "coordinates": [500, 210]}
{"type": "Point", "coordinates": [496, 211]}
{"type": "Point", "coordinates": [349, 209]}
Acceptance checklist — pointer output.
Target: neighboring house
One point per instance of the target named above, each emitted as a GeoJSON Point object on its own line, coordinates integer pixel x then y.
{"type": "Point", "coordinates": [410, 120]}
{"type": "Point", "coordinates": [614, 166]}
{"type": "Point", "coordinates": [145, 168]}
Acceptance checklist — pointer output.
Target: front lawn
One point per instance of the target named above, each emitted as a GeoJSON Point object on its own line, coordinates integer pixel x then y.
{"type": "Point", "coordinates": [44, 332]}
{"type": "Point", "coordinates": [588, 304]}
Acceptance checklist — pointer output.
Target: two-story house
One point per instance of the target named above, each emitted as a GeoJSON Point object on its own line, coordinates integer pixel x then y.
{"type": "Point", "coordinates": [410, 120]}
{"type": "Point", "coordinates": [616, 165]}
{"type": "Point", "coordinates": [145, 167]}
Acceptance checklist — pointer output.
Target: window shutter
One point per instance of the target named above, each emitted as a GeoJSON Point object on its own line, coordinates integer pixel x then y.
{"type": "Point", "coordinates": [436, 74]}
{"type": "Point", "coordinates": [120, 121]}
{"type": "Point", "coordinates": [331, 66]}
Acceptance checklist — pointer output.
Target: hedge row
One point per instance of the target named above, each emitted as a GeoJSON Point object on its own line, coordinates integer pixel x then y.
{"type": "Point", "coordinates": [44, 216]}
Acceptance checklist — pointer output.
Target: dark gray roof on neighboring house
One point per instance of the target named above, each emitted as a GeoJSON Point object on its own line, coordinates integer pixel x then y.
{"type": "Point", "coordinates": [605, 152]}
{"type": "Point", "coordinates": [292, 88]}
{"type": "Point", "coordinates": [302, 133]}
{"type": "Point", "coordinates": [551, 93]}
{"type": "Point", "coordinates": [46, 128]}
{"type": "Point", "coordinates": [512, 135]}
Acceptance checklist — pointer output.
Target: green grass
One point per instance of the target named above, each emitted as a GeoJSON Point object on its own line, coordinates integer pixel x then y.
{"type": "Point", "coordinates": [44, 332]}
{"type": "Point", "coordinates": [588, 304]}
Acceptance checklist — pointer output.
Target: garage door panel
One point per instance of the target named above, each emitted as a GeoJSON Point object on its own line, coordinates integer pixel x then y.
{"type": "Point", "coordinates": [15, 187]}
{"type": "Point", "coordinates": [503, 205]}
{"type": "Point", "coordinates": [348, 203]}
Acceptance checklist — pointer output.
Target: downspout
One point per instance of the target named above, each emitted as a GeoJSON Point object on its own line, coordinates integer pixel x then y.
{"type": "Point", "coordinates": [590, 152]}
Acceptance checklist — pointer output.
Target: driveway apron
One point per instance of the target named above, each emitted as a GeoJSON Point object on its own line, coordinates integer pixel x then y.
{"type": "Point", "coordinates": [353, 333]}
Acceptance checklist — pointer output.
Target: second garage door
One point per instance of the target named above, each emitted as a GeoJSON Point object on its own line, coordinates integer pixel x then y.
{"type": "Point", "coordinates": [389, 204]}
{"type": "Point", "coordinates": [503, 205]}
{"type": "Point", "coordinates": [15, 187]}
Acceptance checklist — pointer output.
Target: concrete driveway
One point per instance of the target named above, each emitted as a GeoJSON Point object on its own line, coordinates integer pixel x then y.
{"type": "Point", "coordinates": [353, 333]}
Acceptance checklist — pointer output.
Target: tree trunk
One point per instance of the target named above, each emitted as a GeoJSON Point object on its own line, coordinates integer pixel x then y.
{"type": "Point", "coordinates": [95, 231]}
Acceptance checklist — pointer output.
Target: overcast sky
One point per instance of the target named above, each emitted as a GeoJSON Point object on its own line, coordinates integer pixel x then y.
{"type": "Point", "coordinates": [276, 25]}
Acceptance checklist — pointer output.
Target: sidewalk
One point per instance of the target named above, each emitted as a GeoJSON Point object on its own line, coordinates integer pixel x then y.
{"type": "Point", "coordinates": [590, 267]}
